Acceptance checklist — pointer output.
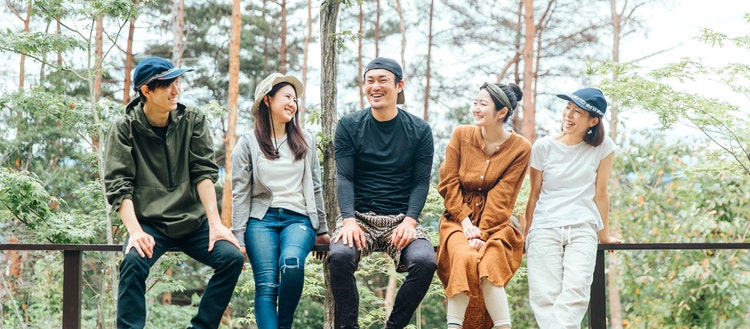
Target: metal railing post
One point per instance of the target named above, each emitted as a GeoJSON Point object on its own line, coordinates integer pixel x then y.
{"type": "Point", "coordinates": [71, 311]}
{"type": "Point", "coordinates": [598, 301]}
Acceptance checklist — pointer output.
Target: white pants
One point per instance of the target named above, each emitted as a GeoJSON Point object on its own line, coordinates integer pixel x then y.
{"type": "Point", "coordinates": [560, 263]}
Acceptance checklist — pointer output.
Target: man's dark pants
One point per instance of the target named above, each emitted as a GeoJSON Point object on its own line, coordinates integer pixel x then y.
{"type": "Point", "coordinates": [225, 259]}
{"type": "Point", "coordinates": [419, 257]}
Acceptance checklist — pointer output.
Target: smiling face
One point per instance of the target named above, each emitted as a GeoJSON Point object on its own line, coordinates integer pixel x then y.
{"type": "Point", "coordinates": [577, 121]}
{"type": "Point", "coordinates": [162, 99]}
{"type": "Point", "coordinates": [485, 112]}
{"type": "Point", "coordinates": [283, 104]}
{"type": "Point", "coordinates": [381, 89]}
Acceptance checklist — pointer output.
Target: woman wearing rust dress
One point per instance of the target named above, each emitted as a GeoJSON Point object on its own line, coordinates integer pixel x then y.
{"type": "Point", "coordinates": [479, 248]}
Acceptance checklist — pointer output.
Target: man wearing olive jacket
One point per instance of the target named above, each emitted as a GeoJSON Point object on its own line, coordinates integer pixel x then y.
{"type": "Point", "coordinates": [159, 175]}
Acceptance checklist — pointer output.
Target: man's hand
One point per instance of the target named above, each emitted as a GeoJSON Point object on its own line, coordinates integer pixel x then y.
{"type": "Point", "coordinates": [405, 233]}
{"type": "Point", "coordinates": [142, 242]}
{"type": "Point", "coordinates": [351, 233]}
{"type": "Point", "coordinates": [220, 232]}
{"type": "Point", "coordinates": [322, 239]}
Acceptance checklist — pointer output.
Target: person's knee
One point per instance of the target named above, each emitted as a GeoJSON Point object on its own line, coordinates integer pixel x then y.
{"type": "Point", "coordinates": [133, 264]}
{"type": "Point", "coordinates": [426, 264]}
{"type": "Point", "coordinates": [423, 260]}
{"type": "Point", "coordinates": [293, 271]}
{"type": "Point", "coordinates": [342, 256]}
{"type": "Point", "coordinates": [228, 256]}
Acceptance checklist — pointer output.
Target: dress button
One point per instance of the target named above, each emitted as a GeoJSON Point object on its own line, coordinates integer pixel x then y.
{"type": "Point", "coordinates": [488, 161]}
{"type": "Point", "coordinates": [481, 177]}
{"type": "Point", "coordinates": [479, 189]}
{"type": "Point", "coordinates": [476, 204]}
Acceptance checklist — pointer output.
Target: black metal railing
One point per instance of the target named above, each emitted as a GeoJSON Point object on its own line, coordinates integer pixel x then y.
{"type": "Point", "coordinates": [598, 302]}
{"type": "Point", "coordinates": [72, 253]}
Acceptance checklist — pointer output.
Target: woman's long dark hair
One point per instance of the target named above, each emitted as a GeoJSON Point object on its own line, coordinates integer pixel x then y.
{"type": "Point", "coordinates": [262, 128]}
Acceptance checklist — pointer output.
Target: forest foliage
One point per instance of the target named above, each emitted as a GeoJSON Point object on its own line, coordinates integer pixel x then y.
{"type": "Point", "coordinates": [664, 188]}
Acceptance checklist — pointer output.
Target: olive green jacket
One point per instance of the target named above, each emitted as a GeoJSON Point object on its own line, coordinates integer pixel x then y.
{"type": "Point", "coordinates": [160, 176]}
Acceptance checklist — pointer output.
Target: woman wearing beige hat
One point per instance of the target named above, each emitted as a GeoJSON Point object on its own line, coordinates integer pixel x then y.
{"type": "Point", "coordinates": [277, 206]}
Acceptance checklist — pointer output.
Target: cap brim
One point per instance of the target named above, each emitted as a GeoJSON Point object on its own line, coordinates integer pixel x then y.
{"type": "Point", "coordinates": [171, 74]}
{"type": "Point", "coordinates": [568, 97]}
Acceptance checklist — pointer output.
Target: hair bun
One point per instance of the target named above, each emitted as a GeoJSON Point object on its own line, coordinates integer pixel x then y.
{"type": "Point", "coordinates": [517, 90]}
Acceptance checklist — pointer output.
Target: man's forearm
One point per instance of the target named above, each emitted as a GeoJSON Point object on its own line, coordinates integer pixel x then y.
{"type": "Point", "coordinates": [207, 195]}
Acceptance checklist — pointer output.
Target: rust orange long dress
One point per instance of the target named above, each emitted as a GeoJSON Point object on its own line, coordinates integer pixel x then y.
{"type": "Point", "coordinates": [483, 188]}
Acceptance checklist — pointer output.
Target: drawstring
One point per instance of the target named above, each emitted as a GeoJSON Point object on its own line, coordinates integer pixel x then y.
{"type": "Point", "coordinates": [562, 236]}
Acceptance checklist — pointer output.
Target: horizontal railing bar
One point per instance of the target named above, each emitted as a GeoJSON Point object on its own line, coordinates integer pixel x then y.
{"type": "Point", "coordinates": [57, 247]}
{"type": "Point", "coordinates": [324, 247]}
{"type": "Point", "coordinates": [675, 246]}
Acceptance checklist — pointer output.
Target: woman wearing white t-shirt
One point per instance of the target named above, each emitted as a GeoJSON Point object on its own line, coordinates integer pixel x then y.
{"type": "Point", "coordinates": [568, 211]}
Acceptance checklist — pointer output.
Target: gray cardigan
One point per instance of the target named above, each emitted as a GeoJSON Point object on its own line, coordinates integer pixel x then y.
{"type": "Point", "coordinates": [251, 198]}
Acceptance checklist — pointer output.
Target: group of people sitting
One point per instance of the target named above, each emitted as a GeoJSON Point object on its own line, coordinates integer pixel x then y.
{"type": "Point", "coordinates": [160, 174]}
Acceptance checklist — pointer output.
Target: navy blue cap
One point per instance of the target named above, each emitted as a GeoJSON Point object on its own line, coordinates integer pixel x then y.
{"type": "Point", "coordinates": [390, 65]}
{"type": "Point", "coordinates": [155, 68]}
{"type": "Point", "coordinates": [589, 99]}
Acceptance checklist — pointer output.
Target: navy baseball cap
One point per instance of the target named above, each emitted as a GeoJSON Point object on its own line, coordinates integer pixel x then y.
{"type": "Point", "coordinates": [589, 99]}
{"type": "Point", "coordinates": [155, 68]}
{"type": "Point", "coordinates": [390, 65]}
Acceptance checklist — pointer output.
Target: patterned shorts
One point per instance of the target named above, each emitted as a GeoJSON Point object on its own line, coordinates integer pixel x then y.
{"type": "Point", "coordinates": [378, 231]}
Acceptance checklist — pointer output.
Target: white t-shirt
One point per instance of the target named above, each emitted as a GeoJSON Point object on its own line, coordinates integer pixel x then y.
{"type": "Point", "coordinates": [568, 182]}
{"type": "Point", "coordinates": [283, 177]}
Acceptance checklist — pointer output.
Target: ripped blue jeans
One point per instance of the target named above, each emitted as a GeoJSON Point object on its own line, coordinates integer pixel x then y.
{"type": "Point", "coordinates": [277, 247]}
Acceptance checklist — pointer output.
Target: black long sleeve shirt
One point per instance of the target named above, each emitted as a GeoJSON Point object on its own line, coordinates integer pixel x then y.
{"type": "Point", "coordinates": [383, 167]}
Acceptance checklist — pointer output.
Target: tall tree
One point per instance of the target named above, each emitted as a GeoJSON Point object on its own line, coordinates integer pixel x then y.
{"type": "Point", "coordinates": [129, 59]}
{"type": "Point", "coordinates": [529, 125]}
{"type": "Point", "coordinates": [360, 67]}
{"type": "Point", "coordinates": [22, 61]}
{"type": "Point", "coordinates": [308, 37]}
{"type": "Point", "coordinates": [377, 28]}
{"type": "Point", "coordinates": [282, 46]}
{"type": "Point", "coordinates": [178, 30]}
{"type": "Point", "coordinates": [329, 11]}
{"type": "Point", "coordinates": [232, 109]}
{"type": "Point", "coordinates": [428, 69]}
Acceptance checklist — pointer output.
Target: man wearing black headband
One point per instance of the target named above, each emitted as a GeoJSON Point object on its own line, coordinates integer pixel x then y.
{"type": "Point", "coordinates": [159, 174]}
{"type": "Point", "coordinates": [383, 163]}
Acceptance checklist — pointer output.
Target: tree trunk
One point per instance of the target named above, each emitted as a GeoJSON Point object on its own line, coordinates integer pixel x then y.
{"type": "Point", "coordinates": [230, 138]}
{"type": "Point", "coordinates": [129, 61]}
{"type": "Point", "coordinates": [428, 69]}
{"type": "Point", "coordinates": [529, 125]}
{"type": "Point", "coordinates": [360, 82]}
{"type": "Point", "coordinates": [518, 119]}
{"type": "Point", "coordinates": [283, 46]}
{"type": "Point", "coordinates": [616, 33]}
{"type": "Point", "coordinates": [377, 28]}
{"type": "Point", "coordinates": [613, 289]}
{"type": "Point", "coordinates": [22, 62]}
{"type": "Point", "coordinates": [302, 109]}
{"type": "Point", "coordinates": [178, 28]}
{"type": "Point", "coordinates": [329, 11]}
{"type": "Point", "coordinates": [402, 28]}
{"type": "Point", "coordinates": [390, 290]}
{"type": "Point", "coordinates": [98, 57]}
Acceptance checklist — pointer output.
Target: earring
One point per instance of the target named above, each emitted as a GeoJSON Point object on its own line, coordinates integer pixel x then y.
{"type": "Point", "coordinates": [590, 131]}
